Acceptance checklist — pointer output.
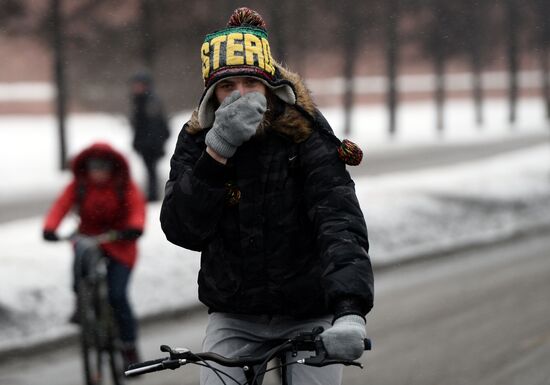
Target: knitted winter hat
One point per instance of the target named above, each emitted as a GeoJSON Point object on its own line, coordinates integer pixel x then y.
{"type": "Point", "coordinates": [241, 49]}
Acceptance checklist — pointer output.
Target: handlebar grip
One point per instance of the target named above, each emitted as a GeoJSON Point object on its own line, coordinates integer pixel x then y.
{"type": "Point", "coordinates": [144, 369]}
{"type": "Point", "coordinates": [368, 344]}
{"type": "Point", "coordinates": [138, 365]}
{"type": "Point", "coordinates": [140, 368]}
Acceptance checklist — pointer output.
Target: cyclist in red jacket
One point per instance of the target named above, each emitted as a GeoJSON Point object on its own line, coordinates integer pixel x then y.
{"type": "Point", "coordinates": [107, 200]}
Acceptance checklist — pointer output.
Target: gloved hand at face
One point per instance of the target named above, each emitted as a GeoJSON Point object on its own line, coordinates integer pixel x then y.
{"type": "Point", "coordinates": [236, 121]}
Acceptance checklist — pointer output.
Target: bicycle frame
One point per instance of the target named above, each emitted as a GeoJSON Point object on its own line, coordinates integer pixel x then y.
{"type": "Point", "coordinates": [99, 334]}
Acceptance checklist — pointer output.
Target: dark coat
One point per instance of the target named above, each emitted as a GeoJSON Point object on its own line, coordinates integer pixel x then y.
{"type": "Point", "coordinates": [149, 125]}
{"type": "Point", "coordinates": [295, 243]}
{"type": "Point", "coordinates": [116, 205]}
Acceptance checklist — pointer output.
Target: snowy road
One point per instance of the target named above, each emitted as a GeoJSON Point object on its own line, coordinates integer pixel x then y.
{"type": "Point", "coordinates": [478, 317]}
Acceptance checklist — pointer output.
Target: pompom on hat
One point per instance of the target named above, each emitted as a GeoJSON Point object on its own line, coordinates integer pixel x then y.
{"type": "Point", "coordinates": [240, 49]}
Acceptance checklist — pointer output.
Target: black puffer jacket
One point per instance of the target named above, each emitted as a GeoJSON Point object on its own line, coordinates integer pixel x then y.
{"type": "Point", "coordinates": [295, 243]}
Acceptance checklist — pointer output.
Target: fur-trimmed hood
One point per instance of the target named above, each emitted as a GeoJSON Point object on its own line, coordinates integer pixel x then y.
{"type": "Point", "coordinates": [292, 122]}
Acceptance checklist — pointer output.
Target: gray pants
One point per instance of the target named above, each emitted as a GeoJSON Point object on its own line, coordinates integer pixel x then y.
{"type": "Point", "coordinates": [233, 335]}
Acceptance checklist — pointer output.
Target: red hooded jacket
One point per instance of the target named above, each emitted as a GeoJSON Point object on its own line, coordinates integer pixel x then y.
{"type": "Point", "coordinates": [114, 205]}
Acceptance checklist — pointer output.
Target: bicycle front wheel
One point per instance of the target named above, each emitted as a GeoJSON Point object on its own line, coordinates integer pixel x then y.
{"type": "Point", "coordinates": [113, 344]}
{"type": "Point", "coordinates": [90, 338]}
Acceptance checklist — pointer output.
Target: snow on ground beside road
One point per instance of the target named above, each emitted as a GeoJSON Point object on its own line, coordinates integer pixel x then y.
{"type": "Point", "coordinates": [426, 211]}
{"type": "Point", "coordinates": [406, 213]}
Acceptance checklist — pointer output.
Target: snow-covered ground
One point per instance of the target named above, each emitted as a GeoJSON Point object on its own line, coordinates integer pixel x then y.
{"type": "Point", "coordinates": [409, 214]}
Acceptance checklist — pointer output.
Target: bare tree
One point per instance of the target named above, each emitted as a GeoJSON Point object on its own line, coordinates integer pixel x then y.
{"type": "Point", "coordinates": [512, 16]}
{"type": "Point", "coordinates": [147, 29]}
{"type": "Point", "coordinates": [541, 10]}
{"type": "Point", "coordinates": [352, 24]}
{"type": "Point", "coordinates": [59, 76]}
{"type": "Point", "coordinates": [279, 27]}
{"type": "Point", "coordinates": [475, 14]}
{"type": "Point", "coordinates": [392, 17]}
{"type": "Point", "coordinates": [351, 36]}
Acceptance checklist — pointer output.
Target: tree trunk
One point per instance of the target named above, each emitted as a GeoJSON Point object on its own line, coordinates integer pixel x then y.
{"type": "Point", "coordinates": [512, 53]}
{"type": "Point", "coordinates": [147, 39]}
{"type": "Point", "coordinates": [59, 76]}
{"type": "Point", "coordinates": [477, 87]}
{"type": "Point", "coordinates": [349, 90]}
{"type": "Point", "coordinates": [391, 59]}
{"type": "Point", "coordinates": [277, 30]}
{"type": "Point", "coordinates": [476, 60]}
{"type": "Point", "coordinates": [352, 28]}
{"type": "Point", "coordinates": [439, 65]}
{"type": "Point", "coordinates": [545, 80]}
{"type": "Point", "coordinates": [544, 17]}
{"type": "Point", "coordinates": [439, 55]}
{"type": "Point", "coordinates": [300, 16]}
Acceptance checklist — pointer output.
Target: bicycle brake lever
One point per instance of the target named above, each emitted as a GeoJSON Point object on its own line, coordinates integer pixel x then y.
{"type": "Point", "coordinates": [320, 355]}
{"type": "Point", "coordinates": [320, 358]}
{"type": "Point", "coordinates": [319, 363]}
{"type": "Point", "coordinates": [176, 353]}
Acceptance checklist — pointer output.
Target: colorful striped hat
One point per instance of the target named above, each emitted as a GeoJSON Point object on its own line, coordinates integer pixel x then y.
{"type": "Point", "coordinates": [240, 49]}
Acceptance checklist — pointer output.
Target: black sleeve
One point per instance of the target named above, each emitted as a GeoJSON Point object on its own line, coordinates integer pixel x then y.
{"type": "Point", "coordinates": [339, 223]}
{"type": "Point", "coordinates": [347, 306]}
{"type": "Point", "coordinates": [194, 195]}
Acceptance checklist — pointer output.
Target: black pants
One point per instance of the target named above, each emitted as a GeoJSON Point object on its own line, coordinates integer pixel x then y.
{"type": "Point", "coordinates": [152, 179]}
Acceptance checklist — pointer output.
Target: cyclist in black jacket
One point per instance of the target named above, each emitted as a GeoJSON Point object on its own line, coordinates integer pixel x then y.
{"type": "Point", "coordinates": [259, 185]}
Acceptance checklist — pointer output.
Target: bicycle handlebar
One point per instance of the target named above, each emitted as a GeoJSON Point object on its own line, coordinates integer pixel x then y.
{"type": "Point", "coordinates": [98, 238]}
{"type": "Point", "coordinates": [149, 367]}
{"type": "Point", "coordinates": [308, 341]}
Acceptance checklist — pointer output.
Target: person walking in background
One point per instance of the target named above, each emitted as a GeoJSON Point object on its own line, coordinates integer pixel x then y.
{"type": "Point", "coordinates": [106, 200]}
{"type": "Point", "coordinates": [258, 184]}
{"type": "Point", "coordinates": [150, 128]}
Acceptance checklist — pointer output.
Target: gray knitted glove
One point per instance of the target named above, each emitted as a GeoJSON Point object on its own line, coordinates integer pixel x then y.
{"type": "Point", "coordinates": [236, 121]}
{"type": "Point", "coordinates": [344, 340]}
